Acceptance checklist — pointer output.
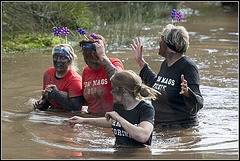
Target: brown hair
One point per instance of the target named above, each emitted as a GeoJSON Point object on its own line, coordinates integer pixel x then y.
{"type": "Point", "coordinates": [92, 40]}
{"type": "Point", "coordinates": [129, 80]}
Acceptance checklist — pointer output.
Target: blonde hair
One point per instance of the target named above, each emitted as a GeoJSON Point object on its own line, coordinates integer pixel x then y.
{"type": "Point", "coordinates": [177, 36]}
{"type": "Point", "coordinates": [71, 51]}
{"type": "Point", "coordinates": [132, 82]}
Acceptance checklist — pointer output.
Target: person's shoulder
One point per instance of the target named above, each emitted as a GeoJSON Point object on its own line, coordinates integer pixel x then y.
{"type": "Point", "coordinates": [188, 61]}
{"type": "Point", "coordinates": [117, 107]}
{"type": "Point", "coordinates": [75, 74]}
{"type": "Point", "coordinates": [50, 70]}
{"type": "Point", "coordinates": [145, 104]}
{"type": "Point", "coordinates": [86, 68]}
{"type": "Point", "coordinates": [146, 108]}
{"type": "Point", "coordinates": [116, 62]}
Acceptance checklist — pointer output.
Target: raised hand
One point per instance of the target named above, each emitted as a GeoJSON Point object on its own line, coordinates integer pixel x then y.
{"type": "Point", "coordinates": [100, 49]}
{"type": "Point", "coordinates": [137, 49]}
{"type": "Point", "coordinates": [184, 87]}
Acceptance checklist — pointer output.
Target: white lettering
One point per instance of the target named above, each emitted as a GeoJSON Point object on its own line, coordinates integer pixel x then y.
{"type": "Point", "coordinates": [118, 124]}
{"type": "Point", "coordinates": [86, 84]}
{"type": "Point", "coordinates": [119, 132]}
{"type": "Point", "coordinates": [159, 79]}
{"type": "Point", "coordinates": [159, 87]}
{"type": "Point", "coordinates": [100, 82]}
{"type": "Point", "coordinates": [115, 131]}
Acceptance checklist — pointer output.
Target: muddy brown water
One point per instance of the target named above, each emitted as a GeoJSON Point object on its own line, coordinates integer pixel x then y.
{"type": "Point", "coordinates": [27, 134]}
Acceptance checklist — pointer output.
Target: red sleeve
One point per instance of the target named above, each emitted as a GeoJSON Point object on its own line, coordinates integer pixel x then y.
{"type": "Point", "coordinates": [117, 63]}
{"type": "Point", "coordinates": [75, 88]}
{"type": "Point", "coordinates": [44, 83]}
{"type": "Point", "coordinates": [47, 76]}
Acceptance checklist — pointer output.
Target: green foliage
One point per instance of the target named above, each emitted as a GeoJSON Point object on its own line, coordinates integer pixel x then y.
{"type": "Point", "coordinates": [25, 24]}
{"type": "Point", "coordinates": [30, 41]}
{"type": "Point", "coordinates": [125, 20]}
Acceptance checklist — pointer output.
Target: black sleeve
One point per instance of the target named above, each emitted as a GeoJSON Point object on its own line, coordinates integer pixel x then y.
{"type": "Point", "coordinates": [195, 100]}
{"type": "Point", "coordinates": [147, 75]}
{"type": "Point", "coordinates": [73, 104]}
{"type": "Point", "coordinates": [147, 113]}
{"type": "Point", "coordinates": [45, 105]}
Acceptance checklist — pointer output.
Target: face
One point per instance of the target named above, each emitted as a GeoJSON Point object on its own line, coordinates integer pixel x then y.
{"type": "Point", "coordinates": [163, 47]}
{"type": "Point", "coordinates": [92, 60]}
{"type": "Point", "coordinates": [116, 93]}
{"type": "Point", "coordinates": [60, 62]}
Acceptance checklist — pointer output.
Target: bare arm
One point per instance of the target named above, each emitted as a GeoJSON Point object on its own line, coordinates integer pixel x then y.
{"type": "Point", "coordinates": [109, 67]}
{"type": "Point", "coordinates": [107, 64]}
{"type": "Point", "coordinates": [141, 133]}
{"type": "Point", "coordinates": [101, 121]}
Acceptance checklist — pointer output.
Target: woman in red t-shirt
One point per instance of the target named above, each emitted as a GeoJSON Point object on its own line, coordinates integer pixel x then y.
{"type": "Point", "coordinates": [62, 85]}
{"type": "Point", "coordinates": [96, 75]}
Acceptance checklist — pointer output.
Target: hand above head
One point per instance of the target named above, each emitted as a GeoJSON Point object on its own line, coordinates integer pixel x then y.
{"type": "Point", "coordinates": [137, 49]}
{"type": "Point", "coordinates": [184, 87]}
{"type": "Point", "coordinates": [100, 49]}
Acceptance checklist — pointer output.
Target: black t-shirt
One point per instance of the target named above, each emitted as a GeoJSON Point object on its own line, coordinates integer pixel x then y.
{"type": "Point", "coordinates": [142, 112]}
{"type": "Point", "coordinates": [171, 106]}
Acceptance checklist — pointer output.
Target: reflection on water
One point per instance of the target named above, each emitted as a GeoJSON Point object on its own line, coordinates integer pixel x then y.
{"type": "Point", "coordinates": [28, 134]}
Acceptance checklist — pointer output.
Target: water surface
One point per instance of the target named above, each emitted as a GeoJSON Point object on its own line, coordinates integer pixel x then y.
{"type": "Point", "coordinates": [28, 134]}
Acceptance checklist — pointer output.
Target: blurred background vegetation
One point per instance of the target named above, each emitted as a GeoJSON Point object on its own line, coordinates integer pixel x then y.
{"type": "Point", "coordinates": [29, 25]}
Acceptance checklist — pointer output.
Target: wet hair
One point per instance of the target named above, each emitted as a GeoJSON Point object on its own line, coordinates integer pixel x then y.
{"type": "Point", "coordinates": [88, 52]}
{"type": "Point", "coordinates": [71, 51]}
{"type": "Point", "coordinates": [176, 38]}
{"type": "Point", "coordinates": [129, 80]}
{"type": "Point", "coordinates": [92, 40]}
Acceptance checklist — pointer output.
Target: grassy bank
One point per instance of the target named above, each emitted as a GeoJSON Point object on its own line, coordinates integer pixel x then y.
{"type": "Point", "coordinates": [23, 42]}
{"type": "Point", "coordinates": [25, 22]}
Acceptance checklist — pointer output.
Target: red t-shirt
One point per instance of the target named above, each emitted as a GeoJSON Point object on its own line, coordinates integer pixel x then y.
{"type": "Point", "coordinates": [71, 83]}
{"type": "Point", "coordinates": [97, 88]}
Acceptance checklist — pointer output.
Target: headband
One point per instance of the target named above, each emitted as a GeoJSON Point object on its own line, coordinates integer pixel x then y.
{"type": "Point", "coordinates": [64, 51]}
{"type": "Point", "coordinates": [172, 47]}
{"type": "Point", "coordinates": [88, 46]}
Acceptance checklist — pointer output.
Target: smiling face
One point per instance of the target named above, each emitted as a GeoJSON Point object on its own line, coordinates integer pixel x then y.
{"type": "Point", "coordinates": [60, 62]}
